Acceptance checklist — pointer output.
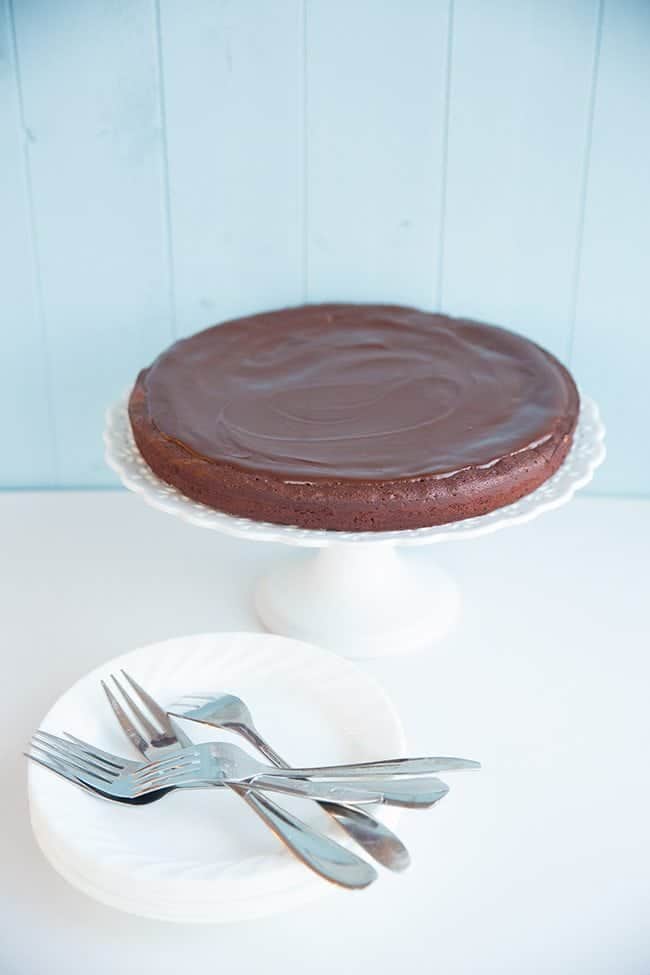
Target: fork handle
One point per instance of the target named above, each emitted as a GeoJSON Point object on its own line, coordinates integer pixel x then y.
{"type": "Point", "coordinates": [329, 791]}
{"type": "Point", "coordinates": [394, 768]}
{"type": "Point", "coordinates": [322, 855]}
{"type": "Point", "coordinates": [371, 834]}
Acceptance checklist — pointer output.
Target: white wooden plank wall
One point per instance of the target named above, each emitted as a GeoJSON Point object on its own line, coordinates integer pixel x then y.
{"type": "Point", "coordinates": [88, 82]}
{"type": "Point", "coordinates": [611, 344]}
{"type": "Point", "coordinates": [234, 105]}
{"type": "Point", "coordinates": [28, 455]}
{"type": "Point", "coordinates": [165, 165]}
{"type": "Point", "coordinates": [522, 73]}
{"type": "Point", "coordinates": [376, 91]}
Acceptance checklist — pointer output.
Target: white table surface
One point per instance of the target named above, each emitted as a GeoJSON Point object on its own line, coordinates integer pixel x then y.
{"type": "Point", "coordinates": [538, 863]}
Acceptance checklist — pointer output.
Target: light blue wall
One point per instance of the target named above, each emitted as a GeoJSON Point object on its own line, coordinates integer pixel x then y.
{"type": "Point", "coordinates": [166, 165]}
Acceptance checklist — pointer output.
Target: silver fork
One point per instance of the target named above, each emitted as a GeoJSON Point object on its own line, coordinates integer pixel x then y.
{"type": "Point", "coordinates": [97, 772]}
{"type": "Point", "coordinates": [372, 835]}
{"type": "Point", "coordinates": [359, 783]}
{"type": "Point", "coordinates": [85, 765]}
{"type": "Point", "coordinates": [321, 854]}
{"type": "Point", "coordinates": [196, 766]}
{"type": "Point", "coordinates": [229, 712]}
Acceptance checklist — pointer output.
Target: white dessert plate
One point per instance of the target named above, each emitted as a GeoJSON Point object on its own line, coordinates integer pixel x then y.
{"type": "Point", "coordinates": [203, 856]}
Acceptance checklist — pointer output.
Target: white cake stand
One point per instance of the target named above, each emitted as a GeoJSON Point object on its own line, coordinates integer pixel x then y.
{"type": "Point", "coordinates": [356, 595]}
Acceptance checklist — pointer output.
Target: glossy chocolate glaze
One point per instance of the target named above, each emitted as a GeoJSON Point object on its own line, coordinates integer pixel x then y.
{"type": "Point", "coordinates": [357, 392]}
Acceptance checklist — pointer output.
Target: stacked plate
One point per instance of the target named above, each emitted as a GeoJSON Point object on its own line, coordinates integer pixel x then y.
{"type": "Point", "coordinates": [200, 856]}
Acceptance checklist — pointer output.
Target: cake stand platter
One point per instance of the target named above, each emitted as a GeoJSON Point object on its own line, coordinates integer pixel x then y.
{"type": "Point", "coordinates": [357, 596]}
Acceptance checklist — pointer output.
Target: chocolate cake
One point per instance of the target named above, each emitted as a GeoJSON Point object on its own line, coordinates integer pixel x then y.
{"type": "Point", "coordinates": [354, 417]}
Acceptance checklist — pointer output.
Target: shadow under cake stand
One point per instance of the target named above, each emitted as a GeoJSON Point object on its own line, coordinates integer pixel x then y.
{"type": "Point", "coordinates": [356, 595]}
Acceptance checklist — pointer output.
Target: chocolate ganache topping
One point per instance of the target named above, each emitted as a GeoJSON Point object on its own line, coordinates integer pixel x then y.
{"type": "Point", "coordinates": [357, 392]}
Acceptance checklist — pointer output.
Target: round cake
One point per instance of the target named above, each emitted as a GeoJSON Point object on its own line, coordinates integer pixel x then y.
{"type": "Point", "coordinates": [354, 417]}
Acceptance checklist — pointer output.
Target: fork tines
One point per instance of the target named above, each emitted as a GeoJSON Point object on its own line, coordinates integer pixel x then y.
{"type": "Point", "coordinates": [75, 759]}
{"type": "Point", "coordinates": [155, 735]}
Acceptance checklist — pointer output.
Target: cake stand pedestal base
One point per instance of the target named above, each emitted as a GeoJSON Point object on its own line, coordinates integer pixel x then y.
{"type": "Point", "coordinates": [362, 600]}
{"type": "Point", "coordinates": [357, 596]}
